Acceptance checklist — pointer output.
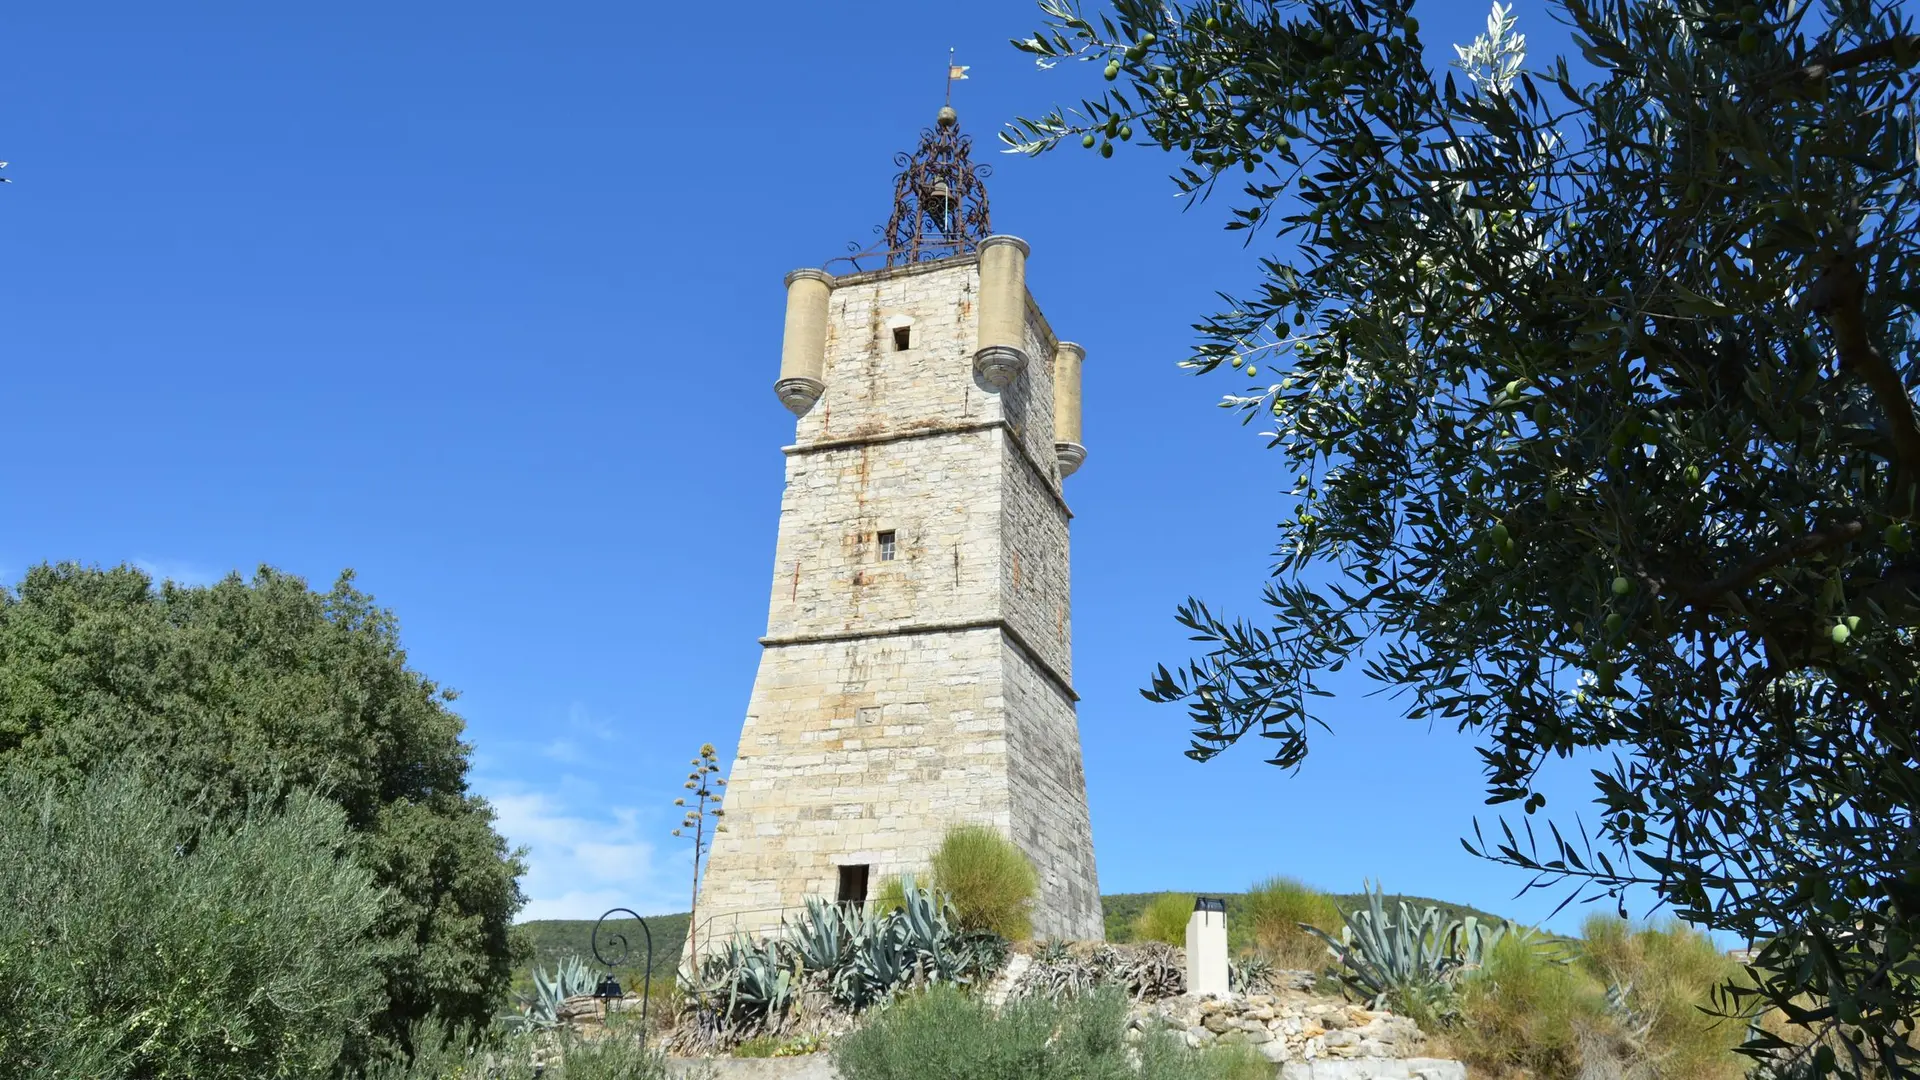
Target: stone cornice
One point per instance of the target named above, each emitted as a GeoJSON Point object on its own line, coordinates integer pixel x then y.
{"type": "Point", "coordinates": [1039, 662]}
{"type": "Point", "coordinates": [1019, 445]}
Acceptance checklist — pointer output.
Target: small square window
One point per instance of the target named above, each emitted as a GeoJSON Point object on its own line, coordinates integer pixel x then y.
{"type": "Point", "coordinates": [853, 885]}
{"type": "Point", "coordinates": [887, 545]}
{"type": "Point", "coordinates": [902, 338]}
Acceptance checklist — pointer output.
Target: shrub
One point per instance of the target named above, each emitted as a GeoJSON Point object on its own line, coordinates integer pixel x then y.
{"type": "Point", "coordinates": [943, 1033]}
{"type": "Point", "coordinates": [892, 896]}
{"type": "Point", "coordinates": [1271, 913]}
{"type": "Point", "coordinates": [1165, 919]}
{"type": "Point", "coordinates": [137, 940]}
{"type": "Point", "coordinates": [616, 1055]}
{"type": "Point", "coordinates": [236, 689]}
{"type": "Point", "coordinates": [1664, 976]}
{"type": "Point", "coordinates": [1524, 1008]}
{"type": "Point", "coordinates": [988, 879]}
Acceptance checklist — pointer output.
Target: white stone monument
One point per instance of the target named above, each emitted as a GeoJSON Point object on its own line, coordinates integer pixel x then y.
{"type": "Point", "coordinates": [1207, 947]}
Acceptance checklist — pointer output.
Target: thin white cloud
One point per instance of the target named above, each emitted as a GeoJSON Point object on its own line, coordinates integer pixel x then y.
{"type": "Point", "coordinates": [581, 862]}
{"type": "Point", "coordinates": [564, 750]}
{"type": "Point", "coordinates": [179, 571]}
{"type": "Point", "coordinates": [583, 720]}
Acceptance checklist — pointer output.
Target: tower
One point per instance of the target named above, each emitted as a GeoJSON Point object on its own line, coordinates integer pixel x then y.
{"type": "Point", "coordinates": [917, 665]}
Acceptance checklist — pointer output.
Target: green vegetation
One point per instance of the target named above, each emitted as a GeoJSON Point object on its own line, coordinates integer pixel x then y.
{"type": "Point", "coordinates": [1164, 919]}
{"type": "Point", "coordinates": [989, 881]}
{"type": "Point", "coordinates": [1596, 373]}
{"type": "Point", "coordinates": [947, 1034]}
{"type": "Point", "coordinates": [1272, 912]}
{"type": "Point", "coordinates": [244, 690]}
{"type": "Point", "coordinates": [618, 1056]}
{"type": "Point", "coordinates": [1408, 956]}
{"type": "Point", "coordinates": [1620, 1001]}
{"type": "Point", "coordinates": [986, 877]}
{"type": "Point", "coordinates": [1122, 910]}
{"type": "Point", "coordinates": [548, 942]}
{"type": "Point", "coordinates": [1664, 975]}
{"type": "Point", "coordinates": [858, 958]}
{"type": "Point", "coordinates": [1527, 1010]}
{"type": "Point", "coordinates": [892, 895]}
{"type": "Point", "coordinates": [139, 940]}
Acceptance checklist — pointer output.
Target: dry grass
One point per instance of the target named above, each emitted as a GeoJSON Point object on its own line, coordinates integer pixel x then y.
{"type": "Point", "coordinates": [893, 893]}
{"type": "Point", "coordinates": [1164, 919]}
{"type": "Point", "coordinates": [1543, 1010]}
{"type": "Point", "coordinates": [1670, 972]}
{"type": "Point", "coordinates": [988, 879]}
{"type": "Point", "coordinates": [1524, 1011]}
{"type": "Point", "coordinates": [1271, 914]}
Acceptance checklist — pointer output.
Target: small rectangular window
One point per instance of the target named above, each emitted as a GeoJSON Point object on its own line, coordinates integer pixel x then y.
{"type": "Point", "coordinates": [853, 885]}
{"type": "Point", "coordinates": [902, 338]}
{"type": "Point", "coordinates": [886, 545]}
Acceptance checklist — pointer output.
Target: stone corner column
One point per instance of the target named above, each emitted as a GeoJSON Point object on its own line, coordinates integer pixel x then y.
{"type": "Point", "coordinates": [1002, 354]}
{"type": "Point", "coordinates": [803, 347]}
{"type": "Point", "coordinates": [1068, 450]}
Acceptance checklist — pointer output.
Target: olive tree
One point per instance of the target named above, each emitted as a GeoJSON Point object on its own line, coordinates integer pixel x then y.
{"type": "Point", "coordinates": [243, 688]}
{"type": "Point", "coordinates": [1597, 378]}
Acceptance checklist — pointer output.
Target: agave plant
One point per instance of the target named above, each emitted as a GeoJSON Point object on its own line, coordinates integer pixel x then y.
{"type": "Point", "coordinates": [1052, 951]}
{"type": "Point", "coordinates": [1411, 961]}
{"type": "Point", "coordinates": [881, 961]}
{"type": "Point", "coordinates": [978, 954]}
{"type": "Point", "coordinates": [571, 977]}
{"type": "Point", "coordinates": [860, 958]}
{"type": "Point", "coordinates": [1155, 971]}
{"type": "Point", "coordinates": [743, 987]}
{"type": "Point", "coordinates": [820, 938]}
{"type": "Point", "coordinates": [1250, 975]}
{"type": "Point", "coordinates": [1058, 973]}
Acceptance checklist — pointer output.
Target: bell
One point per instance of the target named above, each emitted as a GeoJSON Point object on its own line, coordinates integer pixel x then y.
{"type": "Point", "coordinates": [940, 204]}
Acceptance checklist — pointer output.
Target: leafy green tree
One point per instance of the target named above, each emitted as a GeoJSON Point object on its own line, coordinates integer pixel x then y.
{"type": "Point", "coordinates": [1597, 378]}
{"type": "Point", "coordinates": [138, 939]}
{"type": "Point", "coordinates": [242, 688]}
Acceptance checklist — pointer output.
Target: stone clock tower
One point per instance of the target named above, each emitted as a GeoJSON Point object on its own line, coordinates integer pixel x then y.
{"type": "Point", "coordinates": [918, 664]}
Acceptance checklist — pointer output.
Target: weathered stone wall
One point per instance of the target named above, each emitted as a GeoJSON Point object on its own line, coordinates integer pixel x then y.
{"type": "Point", "coordinates": [899, 697]}
{"type": "Point", "coordinates": [857, 751]}
{"type": "Point", "coordinates": [828, 577]}
{"type": "Point", "coordinates": [1048, 795]}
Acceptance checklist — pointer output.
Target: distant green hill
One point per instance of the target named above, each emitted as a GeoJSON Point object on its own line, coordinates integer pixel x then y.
{"type": "Point", "coordinates": [1123, 908]}
{"type": "Point", "coordinates": [555, 939]}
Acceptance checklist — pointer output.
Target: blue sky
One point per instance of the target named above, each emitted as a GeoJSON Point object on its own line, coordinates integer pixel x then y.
{"type": "Point", "coordinates": [484, 302]}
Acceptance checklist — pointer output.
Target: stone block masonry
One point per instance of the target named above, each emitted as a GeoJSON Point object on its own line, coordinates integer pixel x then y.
{"type": "Point", "coordinates": [917, 671]}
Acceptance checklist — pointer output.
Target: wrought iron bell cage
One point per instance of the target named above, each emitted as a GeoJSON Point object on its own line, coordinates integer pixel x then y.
{"type": "Point", "coordinates": [939, 200]}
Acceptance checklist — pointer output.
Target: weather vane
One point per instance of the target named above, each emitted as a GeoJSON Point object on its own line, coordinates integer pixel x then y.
{"type": "Point", "coordinates": [955, 72]}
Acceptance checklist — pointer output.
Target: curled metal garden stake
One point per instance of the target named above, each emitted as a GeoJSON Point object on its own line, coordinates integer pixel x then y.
{"type": "Point", "coordinates": [609, 988]}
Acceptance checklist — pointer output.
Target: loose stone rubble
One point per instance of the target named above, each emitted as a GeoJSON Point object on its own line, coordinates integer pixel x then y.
{"type": "Point", "coordinates": [1284, 1026]}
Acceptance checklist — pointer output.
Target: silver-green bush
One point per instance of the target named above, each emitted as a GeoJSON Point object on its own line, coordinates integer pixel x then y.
{"type": "Point", "coordinates": [137, 941]}
{"type": "Point", "coordinates": [948, 1034]}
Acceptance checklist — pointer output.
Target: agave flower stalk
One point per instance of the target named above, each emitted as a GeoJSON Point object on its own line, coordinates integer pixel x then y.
{"type": "Point", "coordinates": [703, 818]}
